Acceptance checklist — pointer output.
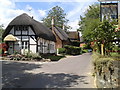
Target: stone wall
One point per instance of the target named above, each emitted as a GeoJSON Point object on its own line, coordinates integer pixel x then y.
{"type": "Point", "coordinates": [107, 74]}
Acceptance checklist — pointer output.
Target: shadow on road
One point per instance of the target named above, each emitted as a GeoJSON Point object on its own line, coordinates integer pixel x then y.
{"type": "Point", "coordinates": [13, 73]}
{"type": "Point", "coordinates": [59, 80]}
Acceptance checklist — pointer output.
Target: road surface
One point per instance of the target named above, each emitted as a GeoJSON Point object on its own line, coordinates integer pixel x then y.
{"type": "Point", "coordinates": [71, 72]}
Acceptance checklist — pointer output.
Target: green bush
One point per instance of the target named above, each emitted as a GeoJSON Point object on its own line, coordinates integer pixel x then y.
{"type": "Point", "coordinates": [87, 46]}
{"type": "Point", "coordinates": [72, 50]}
{"type": "Point", "coordinates": [33, 55]}
{"type": "Point", "coordinates": [75, 43]}
{"type": "Point", "coordinates": [99, 61]}
{"type": "Point", "coordinates": [55, 58]}
{"type": "Point", "coordinates": [84, 51]}
{"type": "Point", "coordinates": [61, 50]}
{"type": "Point", "coordinates": [0, 51]}
{"type": "Point", "coordinates": [115, 54]}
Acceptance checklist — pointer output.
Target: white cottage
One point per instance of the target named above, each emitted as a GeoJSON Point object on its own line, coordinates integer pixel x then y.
{"type": "Point", "coordinates": [25, 33]}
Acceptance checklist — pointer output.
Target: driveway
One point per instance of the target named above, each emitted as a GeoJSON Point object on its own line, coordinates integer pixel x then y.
{"type": "Point", "coordinates": [70, 72]}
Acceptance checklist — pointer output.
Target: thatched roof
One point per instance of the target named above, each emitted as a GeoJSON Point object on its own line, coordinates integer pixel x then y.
{"type": "Point", "coordinates": [73, 35]}
{"type": "Point", "coordinates": [61, 34]}
{"type": "Point", "coordinates": [39, 29]}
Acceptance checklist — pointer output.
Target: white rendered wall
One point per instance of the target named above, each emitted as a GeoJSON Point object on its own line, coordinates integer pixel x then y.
{"type": "Point", "coordinates": [43, 44]}
{"type": "Point", "coordinates": [31, 31]}
{"type": "Point", "coordinates": [11, 31]}
{"type": "Point", "coordinates": [47, 46]}
{"type": "Point", "coordinates": [33, 48]}
{"type": "Point", "coordinates": [53, 50]}
{"type": "Point", "coordinates": [32, 41]}
{"type": "Point", "coordinates": [17, 47]}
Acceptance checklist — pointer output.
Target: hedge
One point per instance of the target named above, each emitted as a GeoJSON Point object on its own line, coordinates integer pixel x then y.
{"type": "Point", "coordinates": [61, 50]}
{"type": "Point", "coordinates": [72, 50]}
{"type": "Point", "coordinates": [106, 71]}
{"type": "Point", "coordinates": [75, 43]}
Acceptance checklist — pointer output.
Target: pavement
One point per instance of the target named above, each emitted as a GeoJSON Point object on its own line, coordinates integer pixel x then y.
{"type": "Point", "coordinates": [70, 72]}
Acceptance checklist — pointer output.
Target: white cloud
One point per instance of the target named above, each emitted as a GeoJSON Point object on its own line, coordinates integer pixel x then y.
{"type": "Point", "coordinates": [8, 12]}
{"type": "Point", "coordinates": [74, 25]}
{"type": "Point", "coordinates": [42, 13]}
{"type": "Point", "coordinates": [28, 7]}
{"type": "Point", "coordinates": [74, 15]}
{"type": "Point", "coordinates": [78, 9]}
{"type": "Point", "coordinates": [54, 0]}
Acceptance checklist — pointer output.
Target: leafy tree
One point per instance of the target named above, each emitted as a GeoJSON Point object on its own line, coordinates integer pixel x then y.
{"type": "Point", "coordinates": [105, 34]}
{"type": "Point", "coordinates": [98, 32]}
{"type": "Point", "coordinates": [59, 18]}
{"type": "Point", "coordinates": [1, 32]}
{"type": "Point", "coordinates": [89, 22]}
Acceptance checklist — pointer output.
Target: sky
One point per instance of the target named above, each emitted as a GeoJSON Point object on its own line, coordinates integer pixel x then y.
{"type": "Point", "coordinates": [9, 9]}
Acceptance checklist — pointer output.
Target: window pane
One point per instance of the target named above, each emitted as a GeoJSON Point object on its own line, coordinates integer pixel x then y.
{"type": "Point", "coordinates": [25, 30]}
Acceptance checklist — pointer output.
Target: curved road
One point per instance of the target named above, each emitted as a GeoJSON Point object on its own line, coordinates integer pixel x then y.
{"type": "Point", "coordinates": [71, 72]}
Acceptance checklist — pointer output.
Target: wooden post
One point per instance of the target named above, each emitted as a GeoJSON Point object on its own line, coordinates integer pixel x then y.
{"type": "Point", "coordinates": [102, 50]}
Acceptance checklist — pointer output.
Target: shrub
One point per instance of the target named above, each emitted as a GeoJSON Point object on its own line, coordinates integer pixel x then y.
{"type": "Point", "coordinates": [87, 46]}
{"type": "Point", "coordinates": [84, 50]}
{"type": "Point", "coordinates": [0, 51]}
{"type": "Point", "coordinates": [75, 43]}
{"type": "Point", "coordinates": [33, 55]}
{"type": "Point", "coordinates": [72, 50]}
{"type": "Point", "coordinates": [55, 58]}
{"type": "Point", "coordinates": [116, 55]}
{"type": "Point", "coordinates": [61, 50]}
{"type": "Point", "coordinates": [99, 61]}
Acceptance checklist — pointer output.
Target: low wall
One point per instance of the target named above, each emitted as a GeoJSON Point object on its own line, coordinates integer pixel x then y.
{"type": "Point", "coordinates": [108, 75]}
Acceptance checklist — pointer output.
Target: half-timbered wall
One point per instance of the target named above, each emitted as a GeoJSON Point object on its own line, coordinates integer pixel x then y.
{"type": "Point", "coordinates": [46, 46]}
{"type": "Point", "coordinates": [26, 41]}
{"type": "Point", "coordinates": [32, 41]}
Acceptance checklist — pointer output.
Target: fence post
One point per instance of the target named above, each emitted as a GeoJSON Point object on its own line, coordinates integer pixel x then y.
{"type": "Point", "coordinates": [102, 50]}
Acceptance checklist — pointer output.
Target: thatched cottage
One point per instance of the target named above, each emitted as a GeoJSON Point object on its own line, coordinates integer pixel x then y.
{"type": "Point", "coordinates": [26, 34]}
{"type": "Point", "coordinates": [61, 36]}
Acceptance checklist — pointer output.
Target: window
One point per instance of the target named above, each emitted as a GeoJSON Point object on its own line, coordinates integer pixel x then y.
{"type": "Point", "coordinates": [24, 30]}
{"type": "Point", "coordinates": [24, 44]}
{"type": "Point", "coordinates": [18, 30]}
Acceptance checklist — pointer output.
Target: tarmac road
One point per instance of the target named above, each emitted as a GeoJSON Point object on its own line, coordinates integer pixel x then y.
{"type": "Point", "coordinates": [70, 72]}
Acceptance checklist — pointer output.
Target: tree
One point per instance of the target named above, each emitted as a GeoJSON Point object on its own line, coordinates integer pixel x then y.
{"type": "Point", "coordinates": [1, 32]}
{"type": "Point", "coordinates": [59, 18]}
{"type": "Point", "coordinates": [98, 32]}
{"type": "Point", "coordinates": [105, 34]}
{"type": "Point", "coordinates": [89, 22]}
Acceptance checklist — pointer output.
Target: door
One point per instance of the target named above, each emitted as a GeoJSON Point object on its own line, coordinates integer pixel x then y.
{"type": "Point", "coordinates": [24, 47]}
{"type": "Point", "coordinates": [10, 48]}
